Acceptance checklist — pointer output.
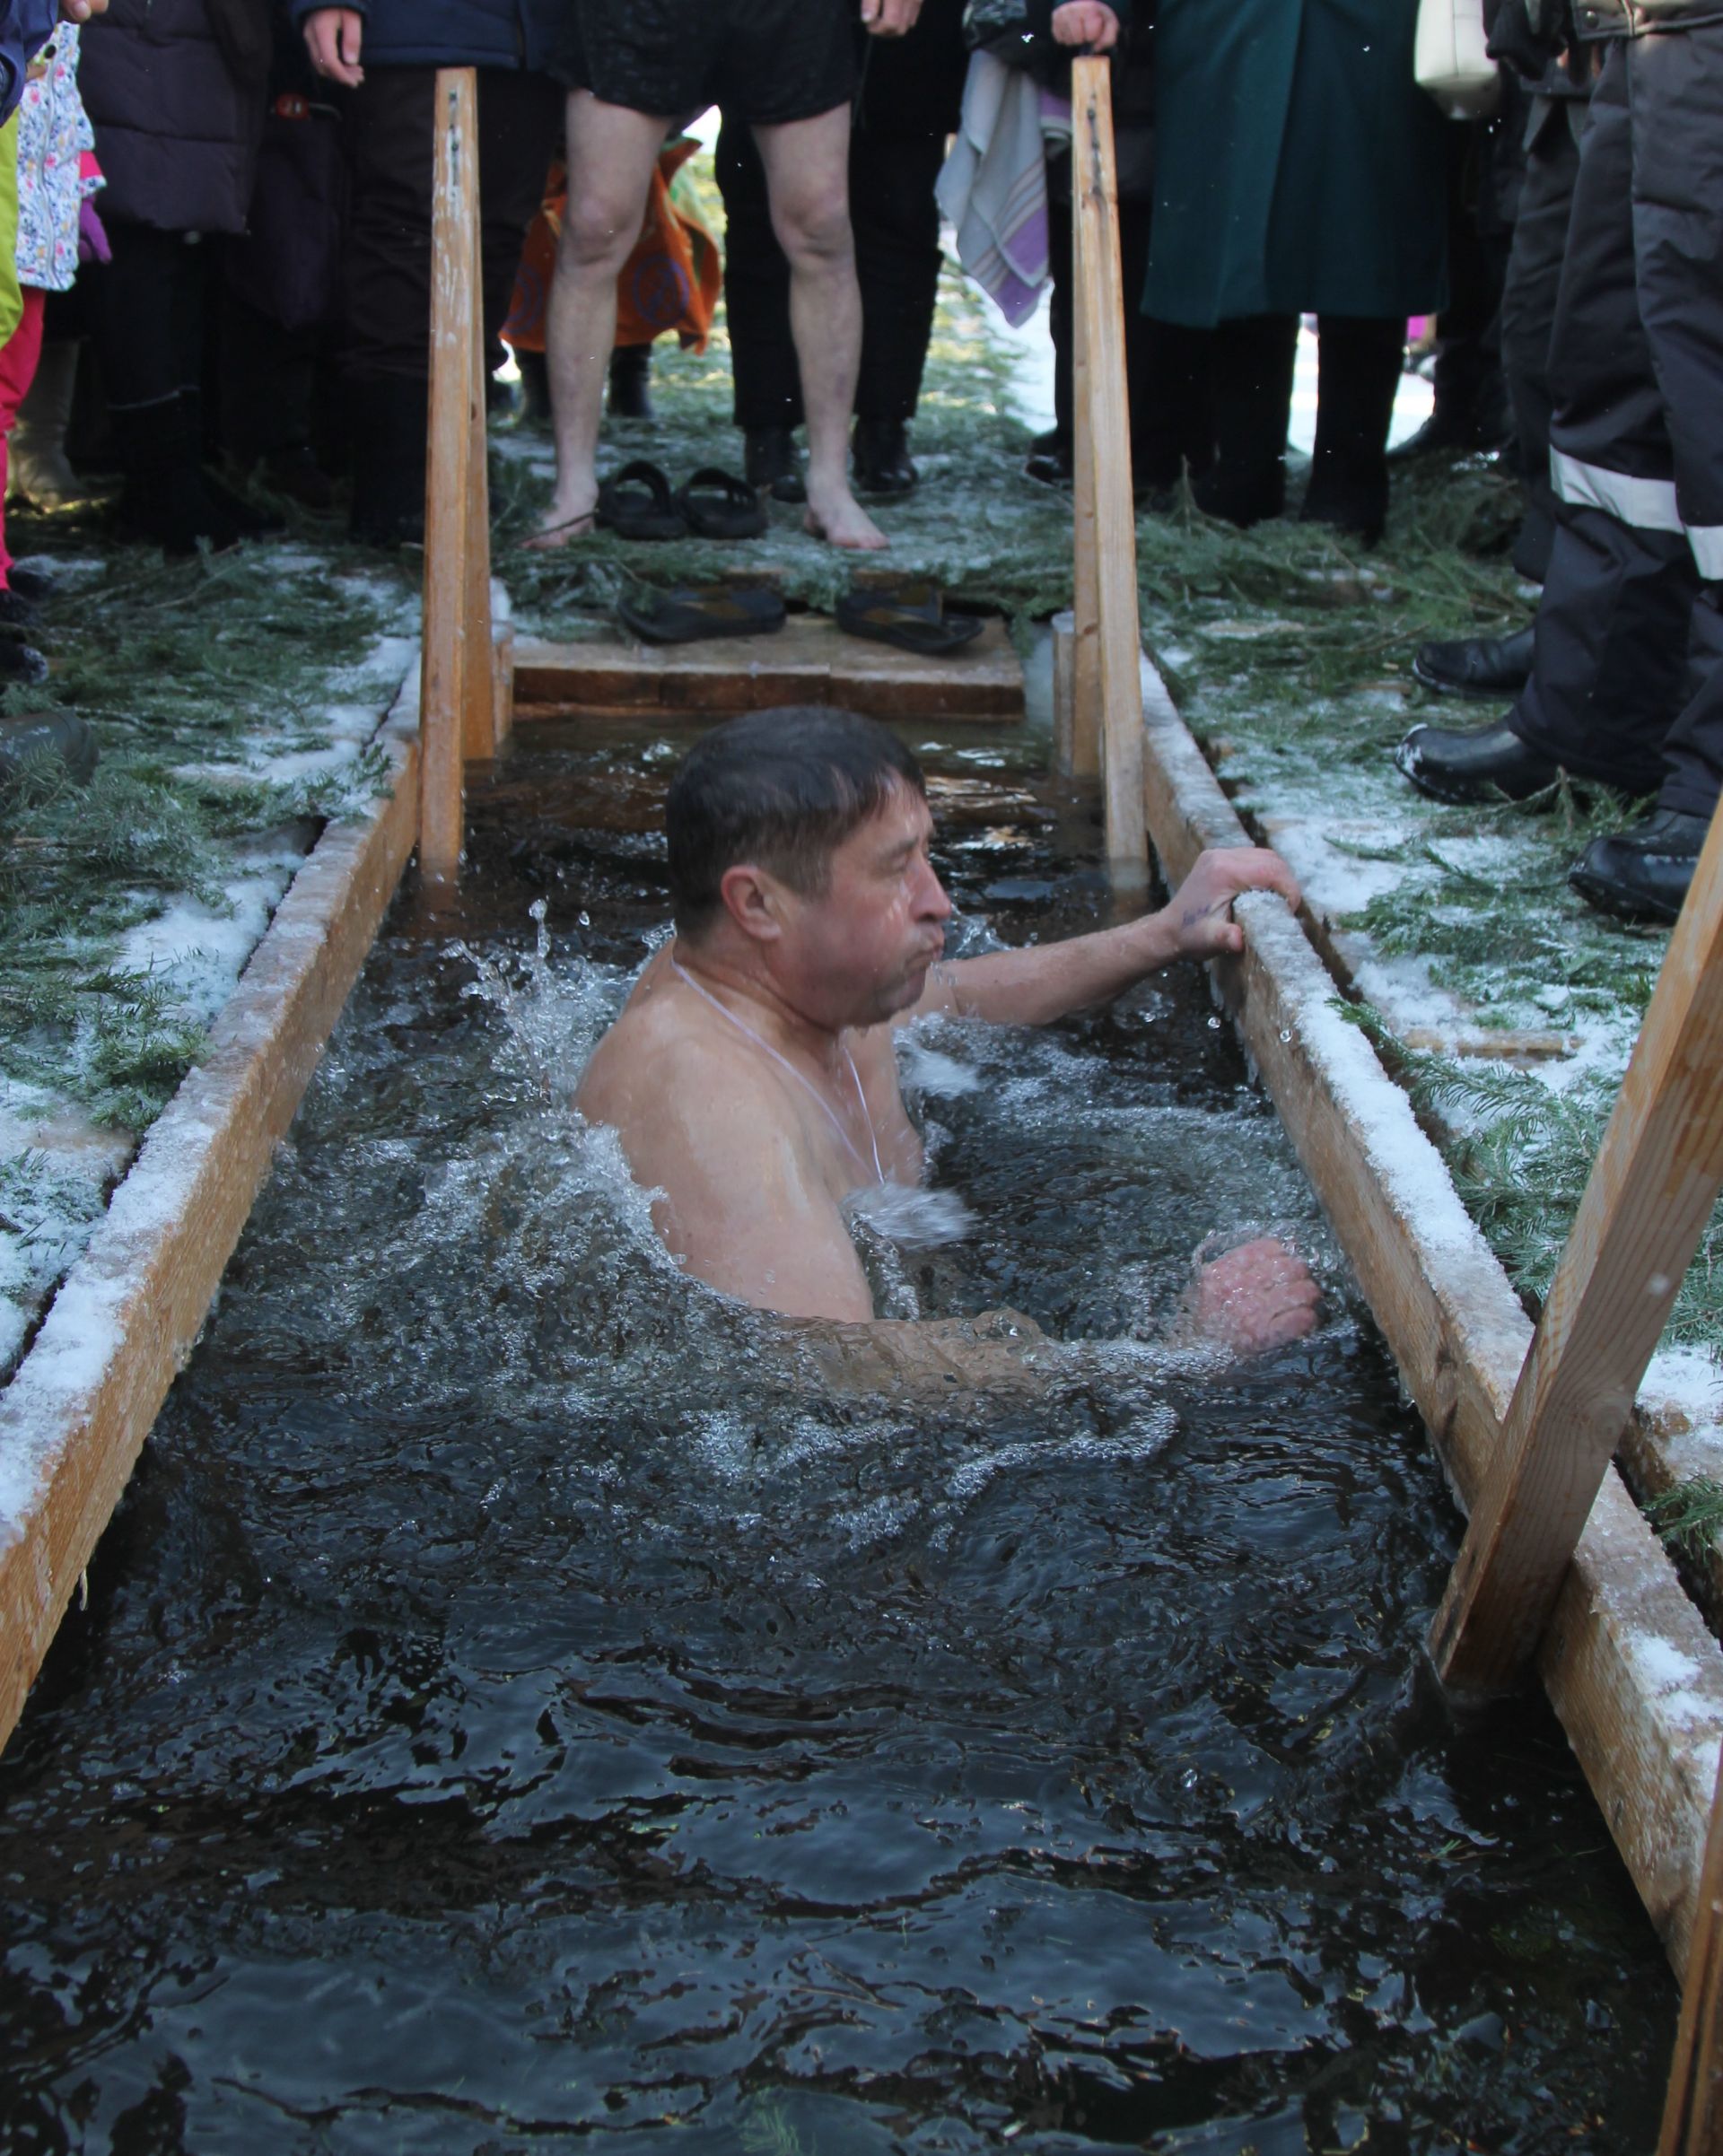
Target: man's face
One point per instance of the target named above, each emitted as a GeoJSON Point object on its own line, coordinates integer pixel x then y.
{"type": "Point", "coordinates": [858, 951]}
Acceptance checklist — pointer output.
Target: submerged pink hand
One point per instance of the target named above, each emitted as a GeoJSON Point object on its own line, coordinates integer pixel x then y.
{"type": "Point", "coordinates": [1258, 1296]}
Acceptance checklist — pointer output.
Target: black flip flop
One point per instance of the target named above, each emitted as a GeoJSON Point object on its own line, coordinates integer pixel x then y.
{"type": "Point", "coordinates": [718, 505]}
{"type": "Point", "coordinates": [695, 611]}
{"type": "Point", "coordinates": [908, 618]}
{"type": "Point", "coordinates": [636, 503]}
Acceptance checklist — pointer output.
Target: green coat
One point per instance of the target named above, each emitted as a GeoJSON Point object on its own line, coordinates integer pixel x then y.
{"type": "Point", "coordinates": [1299, 167]}
{"type": "Point", "coordinates": [11, 300]}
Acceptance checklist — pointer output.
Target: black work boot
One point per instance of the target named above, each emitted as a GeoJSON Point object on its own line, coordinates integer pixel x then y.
{"type": "Point", "coordinates": [389, 417]}
{"type": "Point", "coordinates": [631, 382]}
{"type": "Point", "coordinates": [1478, 666]}
{"type": "Point", "coordinates": [1480, 764]}
{"type": "Point", "coordinates": [769, 463]}
{"type": "Point", "coordinates": [1642, 874]}
{"type": "Point", "coordinates": [165, 498]}
{"type": "Point", "coordinates": [879, 457]}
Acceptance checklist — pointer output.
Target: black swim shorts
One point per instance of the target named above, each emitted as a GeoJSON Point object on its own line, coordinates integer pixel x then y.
{"type": "Point", "coordinates": [765, 62]}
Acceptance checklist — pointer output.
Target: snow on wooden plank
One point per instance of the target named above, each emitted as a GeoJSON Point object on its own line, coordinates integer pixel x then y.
{"type": "Point", "coordinates": [1653, 1187]}
{"type": "Point", "coordinates": [1629, 1663]}
{"type": "Point", "coordinates": [76, 1413]}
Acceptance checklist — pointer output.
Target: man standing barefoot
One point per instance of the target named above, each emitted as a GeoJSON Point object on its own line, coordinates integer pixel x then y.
{"type": "Point", "coordinates": [636, 68]}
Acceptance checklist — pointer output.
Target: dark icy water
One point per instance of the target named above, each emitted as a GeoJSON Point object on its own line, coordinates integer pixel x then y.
{"type": "Point", "coordinates": [512, 1713]}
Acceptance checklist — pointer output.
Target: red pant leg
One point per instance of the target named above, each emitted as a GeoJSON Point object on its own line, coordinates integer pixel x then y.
{"type": "Point", "coordinates": [18, 358]}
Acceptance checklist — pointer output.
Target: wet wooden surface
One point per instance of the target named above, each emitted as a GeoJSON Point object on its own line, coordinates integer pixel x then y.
{"type": "Point", "coordinates": [810, 660]}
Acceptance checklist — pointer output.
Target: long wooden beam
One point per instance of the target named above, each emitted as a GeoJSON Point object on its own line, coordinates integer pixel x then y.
{"type": "Point", "coordinates": [1105, 446]}
{"type": "Point", "coordinates": [1652, 1188]}
{"type": "Point", "coordinates": [79, 1406]}
{"type": "Point", "coordinates": [456, 522]}
{"type": "Point", "coordinates": [1628, 1664]}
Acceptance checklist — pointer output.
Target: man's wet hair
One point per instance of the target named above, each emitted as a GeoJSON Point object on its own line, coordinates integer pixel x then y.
{"type": "Point", "coordinates": [780, 789]}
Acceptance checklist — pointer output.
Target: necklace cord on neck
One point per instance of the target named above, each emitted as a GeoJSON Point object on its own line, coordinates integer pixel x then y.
{"type": "Point", "coordinates": [800, 1076]}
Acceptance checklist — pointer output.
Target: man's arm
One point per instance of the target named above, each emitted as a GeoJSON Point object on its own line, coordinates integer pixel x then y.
{"type": "Point", "coordinates": [1039, 982]}
{"type": "Point", "coordinates": [1254, 1297]}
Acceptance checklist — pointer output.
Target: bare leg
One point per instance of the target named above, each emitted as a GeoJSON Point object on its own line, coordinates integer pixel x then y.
{"type": "Point", "coordinates": [611, 153]}
{"type": "Point", "coordinates": [808, 177]}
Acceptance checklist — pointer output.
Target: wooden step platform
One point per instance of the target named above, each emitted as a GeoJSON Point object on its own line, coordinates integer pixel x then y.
{"type": "Point", "coordinates": [809, 661]}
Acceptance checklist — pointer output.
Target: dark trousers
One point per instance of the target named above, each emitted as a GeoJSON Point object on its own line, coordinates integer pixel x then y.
{"type": "Point", "coordinates": [386, 279]}
{"type": "Point", "coordinates": [897, 225]}
{"type": "Point", "coordinates": [146, 311]}
{"type": "Point", "coordinates": [1627, 681]}
{"type": "Point", "coordinates": [1529, 300]}
{"type": "Point", "coordinates": [1468, 341]}
{"type": "Point", "coordinates": [267, 380]}
{"type": "Point", "coordinates": [1171, 409]}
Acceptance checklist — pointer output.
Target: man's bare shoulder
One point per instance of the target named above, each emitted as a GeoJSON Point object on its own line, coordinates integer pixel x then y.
{"type": "Point", "coordinates": [661, 1057]}
{"type": "Point", "coordinates": [741, 1200]}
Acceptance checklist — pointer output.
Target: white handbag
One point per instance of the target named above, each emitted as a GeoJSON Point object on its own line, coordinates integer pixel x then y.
{"type": "Point", "coordinates": [1450, 61]}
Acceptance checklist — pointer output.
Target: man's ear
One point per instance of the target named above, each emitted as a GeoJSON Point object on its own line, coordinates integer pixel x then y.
{"type": "Point", "coordinates": [754, 899]}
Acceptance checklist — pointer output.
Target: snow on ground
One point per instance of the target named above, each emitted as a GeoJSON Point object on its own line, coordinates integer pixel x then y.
{"type": "Point", "coordinates": [57, 1168]}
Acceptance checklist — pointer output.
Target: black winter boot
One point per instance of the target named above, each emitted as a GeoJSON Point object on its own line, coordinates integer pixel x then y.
{"type": "Point", "coordinates": [390, 418]}
{"type": "Point", "coordinates": [164, 498]}
{"type": "Point", "coordinates": [1048, 462]}
{"type": "Point", "coordinates": [879, 457]}
{"type": "Point", "coordinates": [246, 519]}
{"type": "Point", "coordinates": [1642, 874]}
{"type": "Point", "coordinates": [770, 464]}
{"type": "Point", "coordinates": [1251, 369]}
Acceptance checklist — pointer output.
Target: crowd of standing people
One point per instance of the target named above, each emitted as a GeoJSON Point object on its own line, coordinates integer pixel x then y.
{"type": "Point", "coordinates": [224, 208]}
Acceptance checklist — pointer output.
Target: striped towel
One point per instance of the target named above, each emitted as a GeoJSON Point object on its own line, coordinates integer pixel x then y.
{"type": "Point", "coordinates": [993, 186]}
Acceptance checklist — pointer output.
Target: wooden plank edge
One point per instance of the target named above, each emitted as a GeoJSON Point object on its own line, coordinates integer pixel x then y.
{"type": "Point", "coordinates": [78, 1408]}
{"type": "Point", "coordinates": [558, 680]}
{"type": "Point", "coordinates": [1631, 1668]}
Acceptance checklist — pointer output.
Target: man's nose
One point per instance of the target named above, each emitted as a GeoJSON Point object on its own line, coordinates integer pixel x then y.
{"type": "Point", "coordinates": [934, 905]}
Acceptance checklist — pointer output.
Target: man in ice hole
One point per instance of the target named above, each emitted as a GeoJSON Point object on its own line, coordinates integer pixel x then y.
{"type": "Point", "coordinates": [751, 1076]}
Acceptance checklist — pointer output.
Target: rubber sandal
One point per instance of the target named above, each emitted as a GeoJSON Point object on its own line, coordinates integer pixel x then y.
{"type": "Point", "coordinates": [905, 622]}
{"type": "Point", "coordinates": [717, 505]}
{"type": "Point", "coordinates": [692, 611]}
{"type": "Point", "coordinates": [636, 503]}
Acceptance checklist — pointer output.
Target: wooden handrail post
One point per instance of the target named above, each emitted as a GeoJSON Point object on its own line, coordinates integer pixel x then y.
{"type": "Point", "coordinates": [1079, 743]}
{"type": "Point", "coordinates": [1106, 606]}
{"type": "Point", "coordinates": [1692, 2113]}
{"type": "Point", "coordinates": [1652, 1189]}
{"type": "Point", "coordinates": [457, 670]}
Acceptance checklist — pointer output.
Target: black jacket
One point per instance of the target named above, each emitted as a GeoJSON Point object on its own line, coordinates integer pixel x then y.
{"type": "Point", "coordinates": [175, 91]}
{"type": "Point", "coordinates": [457, 33]}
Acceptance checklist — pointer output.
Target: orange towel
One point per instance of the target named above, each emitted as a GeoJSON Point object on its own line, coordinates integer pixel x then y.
{"type": "Point", "coordinates": [671, 281]}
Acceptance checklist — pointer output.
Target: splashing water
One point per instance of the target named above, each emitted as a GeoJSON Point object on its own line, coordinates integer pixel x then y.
{"type": "Point", "coordinates": [515, 1708]}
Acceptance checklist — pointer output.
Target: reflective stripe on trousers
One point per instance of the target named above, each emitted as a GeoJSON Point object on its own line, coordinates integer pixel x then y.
{"type": "Point", "coordinates": [1645, 504]}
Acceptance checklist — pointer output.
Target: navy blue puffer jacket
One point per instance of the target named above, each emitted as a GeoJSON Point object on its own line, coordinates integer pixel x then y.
{"type": "Point", "coordinates": [455, 33]}
{"type": "Point", "coordinates": [179, 130]}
